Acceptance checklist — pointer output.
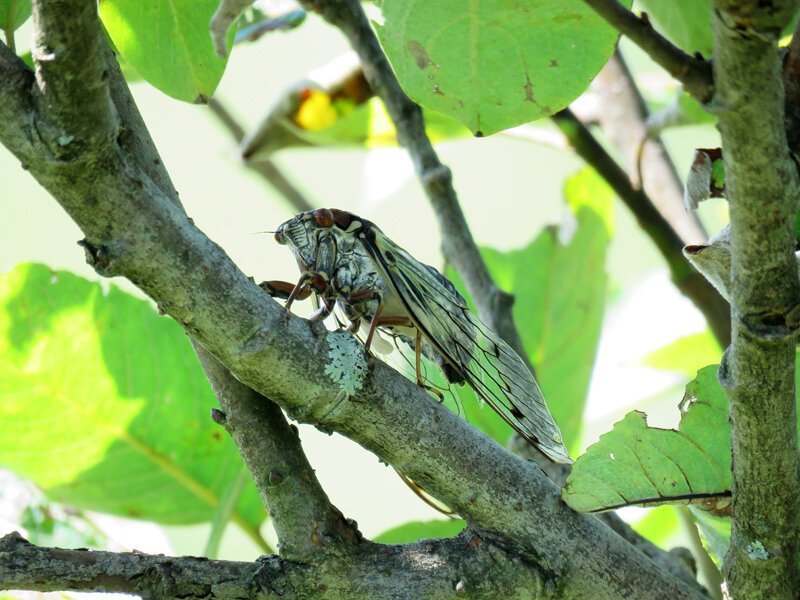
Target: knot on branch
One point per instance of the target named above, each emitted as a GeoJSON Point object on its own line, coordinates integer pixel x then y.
{"type": "Point", "coordinates": [778, 326]}
{"type": "Point", "coordinates": [98, 256]}
{"type": "Point", "coordinates": [437, 179]}
{"type": "Point", "coordinates": [762, 23]}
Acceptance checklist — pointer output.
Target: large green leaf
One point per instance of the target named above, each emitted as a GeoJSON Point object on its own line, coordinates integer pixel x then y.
{"type": "Point", "coordinates": [559, 286]}
{"type": "Point", "coordinates": [686, 22]}
{"type": "Point", "coordinates": [420, 530]}
{"type": "Point", "coordinates": [13, 13]}
{"type": "Point", "coordinates": [495, 64]}
{"type": "Point", "coordinates": [637, 464]}
{"type": "Point", "coordinates": [104, 406]}
{"type": "Point", "coordinates": [168, 43]}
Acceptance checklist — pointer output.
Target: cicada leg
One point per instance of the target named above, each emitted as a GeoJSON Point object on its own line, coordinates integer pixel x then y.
{"type": "Point", "coordinates": [424, 496]}
{"type": "Point", "coordinates": [417, 364]}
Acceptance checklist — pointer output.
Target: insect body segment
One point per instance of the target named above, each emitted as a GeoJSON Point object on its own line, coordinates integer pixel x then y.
{"type": "Point", "coordinates": [348, 262]}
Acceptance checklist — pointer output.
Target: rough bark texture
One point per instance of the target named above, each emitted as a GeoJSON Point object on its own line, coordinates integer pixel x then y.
{"type": "Point", "coordinates": [762, 187]}
{"type": "Point", "coordinates": [428, 569]}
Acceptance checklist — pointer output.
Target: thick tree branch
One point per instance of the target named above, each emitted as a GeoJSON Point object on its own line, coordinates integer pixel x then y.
{"type": "Point", "coordinates": [71, 126]}
{"type": "Point", "coordinates": [691, 283]}
{"type": "Point", "coordinates": [694, 73]}
{"type": "Point", "coordinates": [304, 519]}
{"type": "Point", "coordinates": [427, 569]}
{"type": "Point", "coordinates": [763, 189]}
{"type": "Point", "coordinates": [459, 248]}
{"type": "Point", "coordinates": [263, 166]}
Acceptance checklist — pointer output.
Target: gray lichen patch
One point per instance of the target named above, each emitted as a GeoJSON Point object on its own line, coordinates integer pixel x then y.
{"type": "Point", "coordinates": [347, 366]}
{"type": "Point", "coordinates": [756, 551]}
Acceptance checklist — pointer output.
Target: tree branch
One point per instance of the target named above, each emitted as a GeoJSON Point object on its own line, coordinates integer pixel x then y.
{"type": "Point", "coordinates": [61, 66]}
{"type": "Point", "coordinates": [134, 228]}
{"type": "Point", "coordinates": [693, 73]}
{"type": "Point", "coordinates": [762, 187]}
{"type": "Point", "coordinates": [459, 248]}
{"type": "Point", "coordinates": [427, 569]}
{"type": "Point", "coordinates": [691, 283]}
{"type": "Point", "coordinates": [304, 519]}
{"type": "Point", "coordinates": [263, 166]}
{"type": "Point", "coordinates": [623, 118]}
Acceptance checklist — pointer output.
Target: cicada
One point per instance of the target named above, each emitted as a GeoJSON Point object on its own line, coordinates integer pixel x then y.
{"type": "Point", "coordinates": [349, 263]}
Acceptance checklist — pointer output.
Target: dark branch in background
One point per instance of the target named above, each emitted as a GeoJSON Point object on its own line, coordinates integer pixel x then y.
{"type": "Point", "coordinates": [135, 229]}
{"type": "Point", "coordinates": [459, 249]}
{"type": "Point", "coordinates": [304, 519]}
{"type": "Point", "coordinates": [427, 569]}
{"type": "Point", "coordinates": [791, 84]}
{"type": "Point", "coordinates": [693, 73]}
{"type": "Point", "coordinates": [623, 118]}
{"type": "Point", "coordinates": [763, 188]}
{"type": "Point", "coordinates": [691, 283]}
{"type": "Point", "coordinates": [263, 166]}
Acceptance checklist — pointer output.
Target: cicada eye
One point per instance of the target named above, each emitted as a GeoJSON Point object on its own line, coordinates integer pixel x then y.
{"type": "Point", "coordinates": [279, 237]}
{"type": "Point", "coordinates": [323, 217]}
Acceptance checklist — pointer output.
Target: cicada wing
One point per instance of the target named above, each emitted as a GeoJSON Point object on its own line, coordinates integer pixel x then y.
{"type": "Point", "coordinates": [491, 367]}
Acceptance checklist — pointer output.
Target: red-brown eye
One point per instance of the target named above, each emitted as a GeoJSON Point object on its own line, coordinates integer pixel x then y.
{"type": "Point", "coordinates": [323, 217]}
{"type": "Point", "coordinates": [342, 218]}
{"type": "Point", "coordinates": [279, 237]}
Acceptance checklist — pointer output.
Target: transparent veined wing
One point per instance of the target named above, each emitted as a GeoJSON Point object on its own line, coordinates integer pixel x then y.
{"type": "Point", "coordinates": [489, 365]}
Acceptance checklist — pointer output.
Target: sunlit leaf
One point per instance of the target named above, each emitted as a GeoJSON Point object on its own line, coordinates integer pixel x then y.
{"type": "Point", "coordinates": [168, 43]}
{"type": "Point", "coordinates": [559, 286]}
{"type": "Point", "coordinates": [13, 13]}
{"type": "Point", "coordinates": [421, 530]}
{"type": "Point", "coordinates": [493, 64]}
{"type": "Point", "coordinates": [687, 23]}
{"type": "Point", "coordinates": [104, 405]}
{"type": "Point", "coordinates": [659, 525]}
{"type": "Point", "coordinates": [687, 354]}
{"type": "Point", "coordinates": [636, 464]}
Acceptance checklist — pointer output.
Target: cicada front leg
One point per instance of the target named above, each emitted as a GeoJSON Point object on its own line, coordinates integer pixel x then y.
{"type": "Point", "coordinates": [309, 282]}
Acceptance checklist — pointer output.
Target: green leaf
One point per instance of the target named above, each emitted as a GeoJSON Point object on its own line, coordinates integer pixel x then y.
{"type": "Point", "coordinates": [686, 354]}
{"type": "Point", "coordinates": [636, 464]}
{"type": "Point", "coordinates": [659, 525]}
{"type": "Point", "coordinates": [104, 405]}
{"type": "Point", "coordinates": [715, 532]}
{"type": "Point", "coordinates": [495, 64]}
{"type": "Point", "coordinates": [559, 287]}
{"type": "Point", "coordinates": [13, 13]}
{"type": "Point", "coordinates": [168, 43]}
{"type": "Point", "coordinates": [421, 530]}
{"type": "Point", "coordinates": [687, 23]}
{"type": "Point", "coordinates": [369, 125]}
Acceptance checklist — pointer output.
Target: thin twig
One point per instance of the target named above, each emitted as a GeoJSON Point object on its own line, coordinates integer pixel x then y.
{"type": "Point", "coordinates": [264, 167]}
{"type": "Point", "coordinates": [709, 570]}
{"type": "Point", "coordinates": [694, 73]}
{"type": "Point", "coordinates": [693, 285]}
